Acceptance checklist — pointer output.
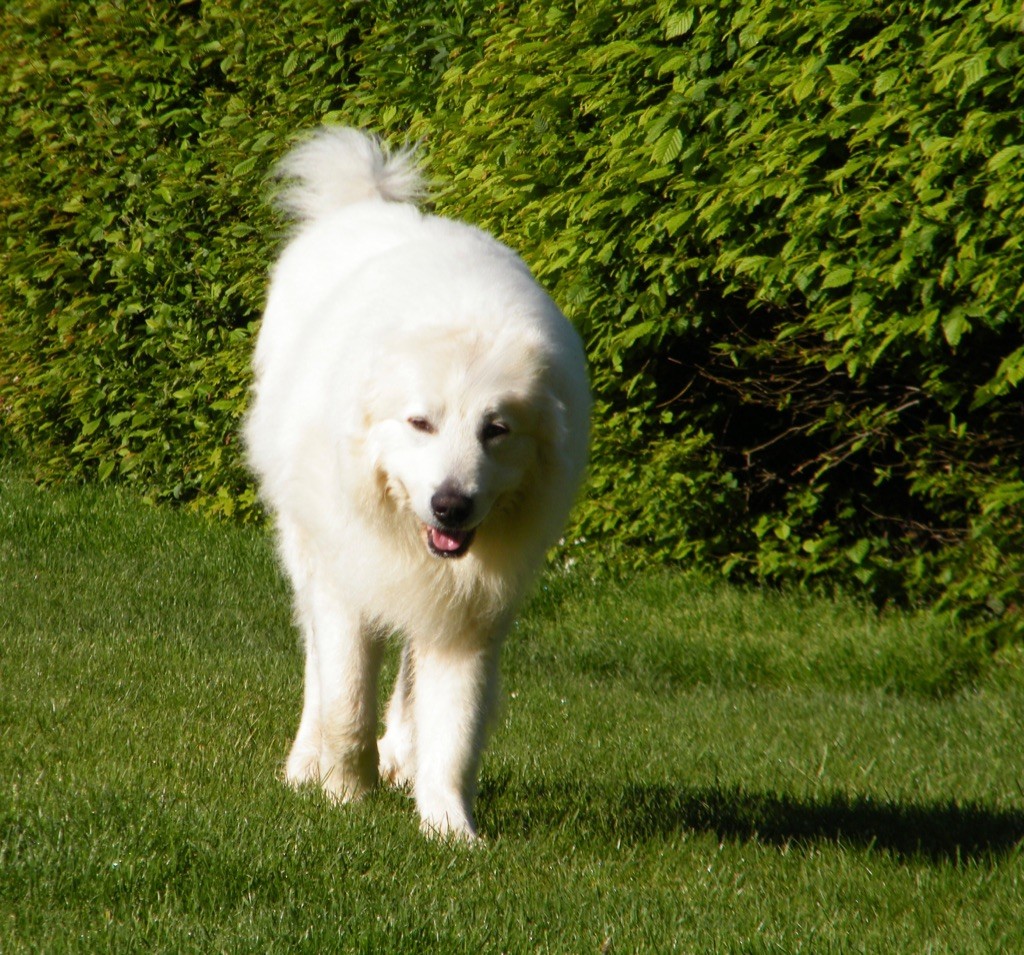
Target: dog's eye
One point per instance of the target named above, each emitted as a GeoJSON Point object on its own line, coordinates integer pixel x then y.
{"type": "Point", "coordinates": [493, 430]}
{"type": "Point", "coordinates": [421, 424]}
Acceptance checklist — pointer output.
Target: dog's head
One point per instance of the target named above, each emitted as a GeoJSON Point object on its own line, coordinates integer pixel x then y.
{"type": "Point", "coordinates": [459, 431]}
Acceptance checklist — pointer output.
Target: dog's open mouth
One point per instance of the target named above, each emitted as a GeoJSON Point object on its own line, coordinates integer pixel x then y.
{"type": "Point", "coordinates": [448, 543]}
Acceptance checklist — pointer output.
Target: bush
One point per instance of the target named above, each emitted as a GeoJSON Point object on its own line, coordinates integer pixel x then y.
{"type": "Point", "coordinates": [789, 233]}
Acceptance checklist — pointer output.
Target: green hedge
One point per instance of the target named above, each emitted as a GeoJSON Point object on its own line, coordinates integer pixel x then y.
{"type": "Point", "coordinates": [791, 234]}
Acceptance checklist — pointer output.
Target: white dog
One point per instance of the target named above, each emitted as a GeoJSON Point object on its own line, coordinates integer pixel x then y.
{"type": "Point", "coordinates": [419, 428]}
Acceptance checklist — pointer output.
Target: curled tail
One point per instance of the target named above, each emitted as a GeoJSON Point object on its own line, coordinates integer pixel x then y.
{"type": "Point", "coordinates": [338, 165]}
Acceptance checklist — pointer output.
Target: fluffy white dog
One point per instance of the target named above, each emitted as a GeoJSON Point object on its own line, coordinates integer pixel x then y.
{"type": "Point", "coordinates": [419, 428]}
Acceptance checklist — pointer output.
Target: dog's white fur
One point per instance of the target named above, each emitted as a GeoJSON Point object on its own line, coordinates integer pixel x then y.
{"type": "Point", "coordinates": [403, 356]}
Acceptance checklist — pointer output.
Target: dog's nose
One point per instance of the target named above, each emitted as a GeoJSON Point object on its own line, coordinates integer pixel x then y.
{"type": "Point", "coordinates": [451, 507]}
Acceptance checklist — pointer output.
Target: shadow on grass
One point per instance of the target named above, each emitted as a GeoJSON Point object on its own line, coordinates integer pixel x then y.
{"type": "Point", "coordinates": [938, 832]}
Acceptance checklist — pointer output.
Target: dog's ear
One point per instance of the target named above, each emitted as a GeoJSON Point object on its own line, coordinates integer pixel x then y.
{"type": "Point", "coordinates": [375, 398]}
{"type": "Point", "coordinates": [563, 433]}
{"type": "Point", "coordinates": [552, 430]}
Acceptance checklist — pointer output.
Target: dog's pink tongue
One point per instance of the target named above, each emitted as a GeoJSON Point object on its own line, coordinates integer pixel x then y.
{"type": "Point", "coordinates": [444, 541]}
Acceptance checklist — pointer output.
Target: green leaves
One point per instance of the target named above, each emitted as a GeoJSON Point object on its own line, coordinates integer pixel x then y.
{"type": "Point", "coordinates": [1005, 155]}
{"type": "Point", "coordinates": [679, 24]}
{"type": "Point", "coordinates": [838, 277]}
{"type": "Point", "coordinates": [668, 146]}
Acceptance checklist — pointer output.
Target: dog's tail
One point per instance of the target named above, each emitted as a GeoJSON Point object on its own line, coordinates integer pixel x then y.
{"type": "Point", "coordinates": [338, 165]}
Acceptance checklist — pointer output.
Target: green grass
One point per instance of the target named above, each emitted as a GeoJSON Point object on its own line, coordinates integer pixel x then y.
{"type": "Point", "coordinates": [678, 766]}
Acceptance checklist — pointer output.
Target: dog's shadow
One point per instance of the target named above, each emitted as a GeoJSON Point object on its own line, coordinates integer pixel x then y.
{"type": "Point", "coordinates": [637, 813]}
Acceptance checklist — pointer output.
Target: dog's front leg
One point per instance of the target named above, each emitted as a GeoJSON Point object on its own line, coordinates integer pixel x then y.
{"type": "Point", "coordinates": [303, 765]}
{"type": "Point", "coordinates": [348, 657]}
{"type": "Point", "coordinates": [454, 690]}
{"type": "Point", "coordinates": [397, 747]}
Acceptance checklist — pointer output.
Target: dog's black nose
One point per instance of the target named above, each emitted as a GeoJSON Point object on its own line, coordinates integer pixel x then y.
{"type": "Point", "coordinates": [451, 507]}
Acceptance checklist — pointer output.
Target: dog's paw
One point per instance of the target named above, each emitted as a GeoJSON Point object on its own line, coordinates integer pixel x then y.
{"type": "Point", "coordinates": [302, 767]}
{"type": "Point", "coordinates": [448, 820]}
{"type": "Point", "coordinates": [342, 787]}
{"type": "Point", "coordinates": [447, 830]}
{"type": "Point", "coordinates": [395, 763]}
{"type": "Point", "coordinates": [351, 776]}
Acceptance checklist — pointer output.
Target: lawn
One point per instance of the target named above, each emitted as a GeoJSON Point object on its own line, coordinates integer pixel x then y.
{"type": "Point", "coordinates": [678, 766]}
